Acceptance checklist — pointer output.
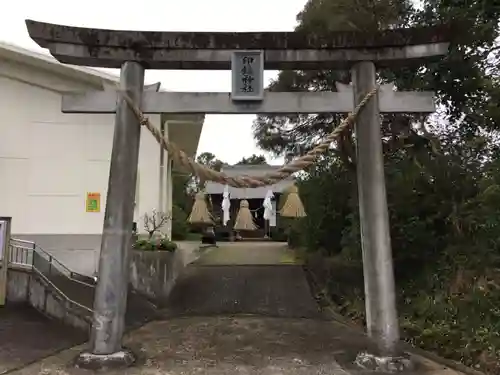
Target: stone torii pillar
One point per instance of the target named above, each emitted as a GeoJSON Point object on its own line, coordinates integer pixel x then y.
{"type": "Point", "coordinates": [273, 51]}
{"type": "Point", "coordinates": [110, 301]}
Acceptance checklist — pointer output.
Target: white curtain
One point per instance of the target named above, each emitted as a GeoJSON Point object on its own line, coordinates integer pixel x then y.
{"type": "Point", "coordinates": [268, 205]}
{"type": "Point", "coordinates": [272, 220]}
{"type": "Point", "coordinates": [226, 205]}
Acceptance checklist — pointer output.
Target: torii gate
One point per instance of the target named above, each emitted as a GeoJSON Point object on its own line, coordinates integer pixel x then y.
{"type": "Point", "coordinates": [248, 54]}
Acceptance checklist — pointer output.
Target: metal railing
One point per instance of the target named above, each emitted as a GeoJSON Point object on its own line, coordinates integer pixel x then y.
{"type": "Point", "coordinates": [21, 252]}
{"type": "Point", "coordinates": [51, 271]}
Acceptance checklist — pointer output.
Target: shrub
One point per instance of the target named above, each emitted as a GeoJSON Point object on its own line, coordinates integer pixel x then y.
{"type": "Point", "coordinates": [160, 244]}
{"type": "Point", "coordinates": [278, 234]}
{"type": "Point", "coordinates": [180, 228]}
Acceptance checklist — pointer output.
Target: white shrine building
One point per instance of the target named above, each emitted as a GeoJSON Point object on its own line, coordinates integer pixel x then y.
{"type": "Point", "coordinates": [50, 161]}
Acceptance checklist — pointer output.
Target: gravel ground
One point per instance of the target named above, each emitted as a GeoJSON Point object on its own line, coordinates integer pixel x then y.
{"type": "Point", "coordinates": [27, 336]}
{"type": "Point", "coordinates": [236, 346]}
{"type": "Point", "coordinates": [239, 309]}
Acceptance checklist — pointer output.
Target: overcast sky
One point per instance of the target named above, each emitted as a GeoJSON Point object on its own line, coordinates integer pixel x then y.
{"type": "Point", "coordinates": [228, 137]}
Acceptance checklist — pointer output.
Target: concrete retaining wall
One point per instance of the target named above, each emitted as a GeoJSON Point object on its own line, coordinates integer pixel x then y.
{"type": "Point", "coordinates": [17, 285]}
{"type": "Point", "coordinates": [24, 286]}
{"type": "Point", "coordinates": [153, 273]}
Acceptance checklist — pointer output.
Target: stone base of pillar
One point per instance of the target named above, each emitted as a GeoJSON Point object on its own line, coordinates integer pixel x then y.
{"type": "Point", "coordinates": [391, 364]}
{"type": "Point", "coordinates": [91, 361]}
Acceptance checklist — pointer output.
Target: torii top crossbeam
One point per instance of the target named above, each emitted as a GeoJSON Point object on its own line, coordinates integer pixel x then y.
{"type": "Point", "coordinates": [212, 50]}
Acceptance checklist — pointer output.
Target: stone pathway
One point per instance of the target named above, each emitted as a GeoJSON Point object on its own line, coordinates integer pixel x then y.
{"type": "Point", "coordinates": [244, 309]}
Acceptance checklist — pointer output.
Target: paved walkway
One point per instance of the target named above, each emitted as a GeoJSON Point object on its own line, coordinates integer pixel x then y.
{"type": "Point", "coordinates": [239, 309]}
{"type": "Point", "coordinates": [248, 253]}
{"type": "Point", "coordinates": [244, 278]}
{"type": "Point", "coordinates": [26, 336]}
{"type": "Point", "coordinates": [236, 346]}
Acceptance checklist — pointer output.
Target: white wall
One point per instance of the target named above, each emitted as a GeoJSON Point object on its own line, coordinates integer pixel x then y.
{"type": "Point", "coordinates": [50, 160]}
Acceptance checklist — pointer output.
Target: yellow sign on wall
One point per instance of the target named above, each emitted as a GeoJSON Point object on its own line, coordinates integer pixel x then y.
{"type": "Point", "coordinates": [93, 202]}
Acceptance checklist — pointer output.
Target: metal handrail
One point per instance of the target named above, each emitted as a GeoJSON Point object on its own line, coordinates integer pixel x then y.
{"type": "Point", "coordinates": [46, 279]}
{"type": "Point", "coordinates": [23, 241]}
{"type": "Point", "coordinates": [20, 251]}
{"type": "Point", "coordinates": [31, 246]}
{"type": "Point", "coordinates": [71, 273]}
{"type": "Point", "coordinates": [51, 259]}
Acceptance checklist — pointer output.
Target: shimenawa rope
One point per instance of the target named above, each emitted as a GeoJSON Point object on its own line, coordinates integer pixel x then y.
{"type": "Point", "coordinates": [247, 181]}
{"type": "Point", "coordinates": [292, 207]}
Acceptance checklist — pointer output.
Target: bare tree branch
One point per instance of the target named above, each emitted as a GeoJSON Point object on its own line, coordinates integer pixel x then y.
{"type": "Point", "coordinates": [155, 221]}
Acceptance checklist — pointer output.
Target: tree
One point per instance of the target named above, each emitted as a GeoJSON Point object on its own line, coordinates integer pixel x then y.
{"type": "Point", "coordinates": [442, 173]}
{"type": "Point", "coordinates": [209, 160]}
{"type": "Point", "coordinates": [253, 160]}
{"type": "Point", "coordinates": [297, 134]}
{"type": "Point", "coordinates": [184, 187]}
{"type": "Point", "coordinates": [180, 227]}
{"type": "Point", "coordinates": [154, 222]}
{"type": "Point", "coordinates": [464, 81]}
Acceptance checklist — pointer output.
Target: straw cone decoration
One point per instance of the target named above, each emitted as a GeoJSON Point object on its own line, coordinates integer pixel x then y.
{"type": "Point", "coordinates": [199, 213]}
{"type": "Point", "coordinates": [293, 206]}
{"type": "Point", "coordinates": [244, 219]}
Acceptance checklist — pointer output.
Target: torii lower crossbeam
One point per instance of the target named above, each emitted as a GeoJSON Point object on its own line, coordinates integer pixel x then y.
{"type": "Point", "coordinates": [274, 102]}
